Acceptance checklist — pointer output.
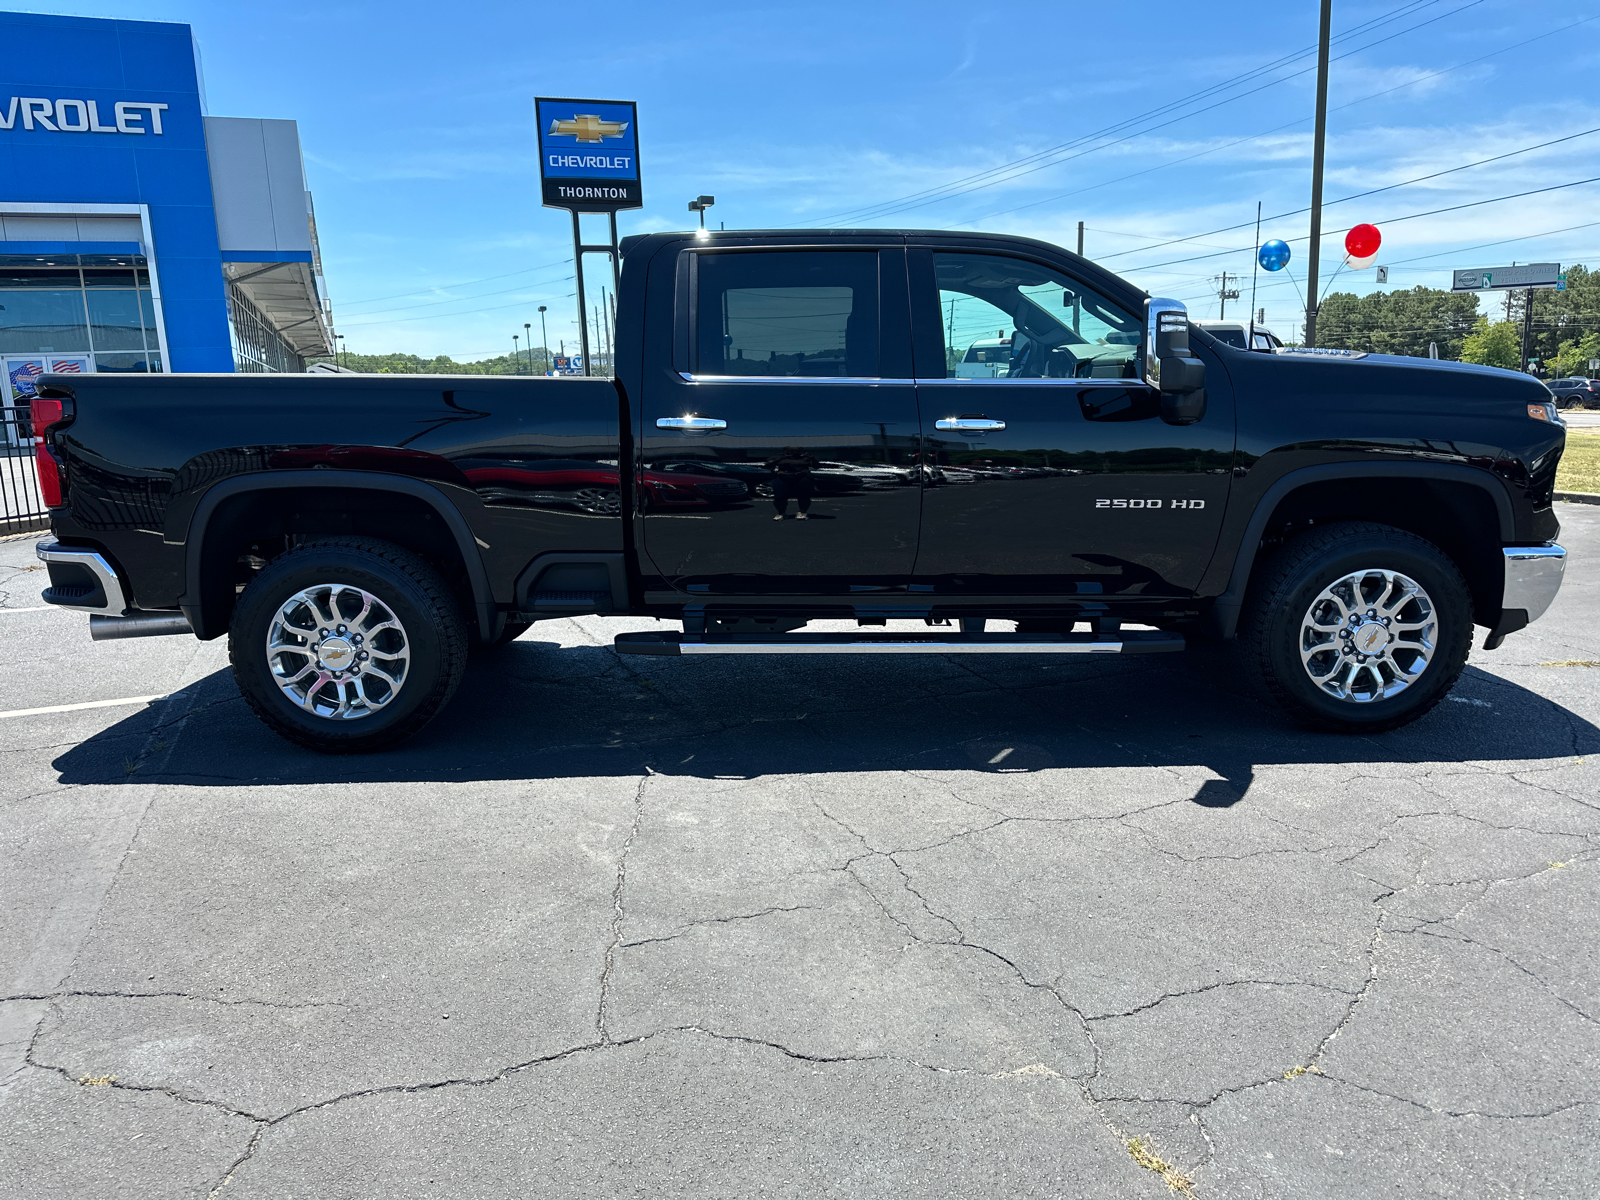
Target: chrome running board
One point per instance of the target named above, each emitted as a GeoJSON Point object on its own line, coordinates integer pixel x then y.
{"type": "Point", "coordinates": [1133, 641]}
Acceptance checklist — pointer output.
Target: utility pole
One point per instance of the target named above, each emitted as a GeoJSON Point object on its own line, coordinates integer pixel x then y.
{"type": "Point", "coordinates": [1320, 144]}
{"type": "Point", "coordinates": [950, 333]}
{"type": "Point", "coordinates": [1225, 293]}
{"type": "Point", "coordinates": [1080, 239]}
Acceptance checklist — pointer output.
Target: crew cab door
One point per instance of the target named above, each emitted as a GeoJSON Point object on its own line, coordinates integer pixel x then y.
{"type": "Point", "coordinates": [799, 354]}
{"type": "Point", "coordinates": [1055, 474]}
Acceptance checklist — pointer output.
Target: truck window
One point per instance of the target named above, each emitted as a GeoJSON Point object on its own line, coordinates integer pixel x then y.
{"type": "Point", "coordinates": [797, 313]}
{"type": "Point", "coordinates": [1053, 326]}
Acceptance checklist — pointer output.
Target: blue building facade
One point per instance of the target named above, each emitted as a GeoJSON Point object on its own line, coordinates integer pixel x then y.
{"type": "Point", "coordinates": [136, 231]}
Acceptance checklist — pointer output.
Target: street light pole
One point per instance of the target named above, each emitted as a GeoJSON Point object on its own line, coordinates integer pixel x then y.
{"type": "Point", "coordinates": [527, 327]}
{"type": "Point", "coordinates": [544, 335]}
{"type": "Point", "coordinates": [516, 352]}
{"type": "Point", "coordinates": [1321, 137]}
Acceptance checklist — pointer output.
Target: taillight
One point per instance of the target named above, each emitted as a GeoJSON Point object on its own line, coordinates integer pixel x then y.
{"type": "Point", "coordinates": [44, 414]}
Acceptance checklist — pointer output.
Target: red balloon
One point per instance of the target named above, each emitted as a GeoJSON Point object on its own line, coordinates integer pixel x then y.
{"type": "Point", "coordinates": [1363, 241]}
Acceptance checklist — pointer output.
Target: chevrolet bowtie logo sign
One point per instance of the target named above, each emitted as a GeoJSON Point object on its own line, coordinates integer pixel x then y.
{"type": "Point", "coordinates": [586, 127]}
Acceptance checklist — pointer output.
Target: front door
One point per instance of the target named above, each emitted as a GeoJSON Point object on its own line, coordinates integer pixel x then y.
{"type": "Point", "coordinates": [1049, 467]}
{"type": "Point", "coordinates": [777, 457]}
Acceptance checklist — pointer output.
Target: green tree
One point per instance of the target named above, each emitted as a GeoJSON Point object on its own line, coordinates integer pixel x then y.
{"type": "Point", "coordinates": [1497, 345]}
{"type": "Point", "coordinates": [443, 364]}
{"type": "Point", "coordinates": [1573, 357]}
{"type": "Point", "coordinates": [1399, 322]}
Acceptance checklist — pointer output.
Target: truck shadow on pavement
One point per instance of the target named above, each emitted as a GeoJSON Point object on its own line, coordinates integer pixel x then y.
{"type": "Point", "coordinates": [542, 711]}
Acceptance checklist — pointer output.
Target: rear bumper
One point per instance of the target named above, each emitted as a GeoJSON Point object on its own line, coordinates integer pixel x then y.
{"type": "Point", "coordinates": [1533, 577]}
{"type": "Point", "coordinates": [82, 580]}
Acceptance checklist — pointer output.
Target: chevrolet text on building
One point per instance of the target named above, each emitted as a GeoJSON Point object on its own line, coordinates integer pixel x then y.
{"type": "Point", "coordinates": [82, 116]}
{"type": "Point", "coordinates": [139, 233]}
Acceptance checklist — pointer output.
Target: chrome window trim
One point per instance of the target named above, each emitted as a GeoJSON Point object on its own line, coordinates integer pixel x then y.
{"type": "Point", "coordinates": [1532, 577]}
{"type": "Point", "coordinates": [1119, 383]}
{"type": "Point", "coordinates": [855, 380]}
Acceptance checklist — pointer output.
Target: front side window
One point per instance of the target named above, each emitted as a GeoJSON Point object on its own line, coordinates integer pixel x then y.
{"type": "Point", "coordinates": [790, 313]}
{"type": "Point", "coordinates": [1007, 318]}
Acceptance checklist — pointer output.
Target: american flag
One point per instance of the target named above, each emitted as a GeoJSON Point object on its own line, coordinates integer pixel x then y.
{"type": "Point", "coordinates": [23, 375]}
{"type": "Point", "coordinates": [67, 366]}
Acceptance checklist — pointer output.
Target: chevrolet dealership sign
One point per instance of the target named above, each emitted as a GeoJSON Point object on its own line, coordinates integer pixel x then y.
{"type": "Point", "coordinates": [81, 116]}
{"type": "Point", "coordinates": [589, 154]}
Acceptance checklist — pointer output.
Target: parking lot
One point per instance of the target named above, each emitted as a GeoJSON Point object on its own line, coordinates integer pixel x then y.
{"type": "Point", "coordinates": [907, 927]}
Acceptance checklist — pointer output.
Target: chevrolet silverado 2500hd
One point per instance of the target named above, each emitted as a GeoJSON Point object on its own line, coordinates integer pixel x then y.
{"type": "Point", "coordinates": [789, 438]}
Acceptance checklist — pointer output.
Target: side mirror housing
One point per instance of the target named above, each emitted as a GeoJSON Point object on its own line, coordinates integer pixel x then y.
{"type": "Point", "coordinates": [1169, 366]}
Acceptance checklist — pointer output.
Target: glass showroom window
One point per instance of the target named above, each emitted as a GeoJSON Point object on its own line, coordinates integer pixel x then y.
{"type": "Point", "coordinates": [101, 308]}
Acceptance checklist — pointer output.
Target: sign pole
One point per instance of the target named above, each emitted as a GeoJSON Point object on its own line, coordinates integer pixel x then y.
{"type": "Point", "coordinates": [1527, 326]}
{"type": "Point", "coordinates": [583, 308]}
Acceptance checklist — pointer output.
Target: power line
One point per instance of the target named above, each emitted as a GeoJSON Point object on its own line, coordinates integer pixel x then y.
{"type": "Point", "coordinates": [1267, 132]}
{"type": "Point", "coordinates": [442, 316]}
{"type": "Point", "coordinates": [1359, 195]}
{"type": "Point", "coordinates": [1025, 166]}
{"type": "Point", "coordinates": [376, 312]}
{"type": "Point", "coordinates": [468, 283]}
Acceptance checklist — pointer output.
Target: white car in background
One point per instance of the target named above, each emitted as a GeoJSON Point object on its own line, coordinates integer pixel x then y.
{"type": "Point", "coordinates": [1246, 335]}
{"type": "Point", "coordinates": [987, 358]}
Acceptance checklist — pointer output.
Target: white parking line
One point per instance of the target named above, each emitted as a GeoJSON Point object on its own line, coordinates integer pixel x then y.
{"type": "Point", "coordinates": [41, 608]}
{"type": "Point", "coordinates": [60, 708]}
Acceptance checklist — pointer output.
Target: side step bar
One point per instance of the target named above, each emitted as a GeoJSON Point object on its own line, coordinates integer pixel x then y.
{"type": "Point", "coordinates": [1132, 641]}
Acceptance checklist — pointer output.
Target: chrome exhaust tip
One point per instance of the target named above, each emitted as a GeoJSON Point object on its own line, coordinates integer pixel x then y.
{"type": "Point", "coordinates": [144, 624]}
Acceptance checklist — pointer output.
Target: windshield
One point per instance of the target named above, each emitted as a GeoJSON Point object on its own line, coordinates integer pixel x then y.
{"type": "Point", "coordinates": [1231, 334]}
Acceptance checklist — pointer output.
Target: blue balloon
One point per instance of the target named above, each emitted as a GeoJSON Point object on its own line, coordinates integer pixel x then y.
{"type": "Point", "coordinates": [1273, 255]}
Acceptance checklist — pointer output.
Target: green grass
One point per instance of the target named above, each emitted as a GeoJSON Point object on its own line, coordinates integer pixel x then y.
{"type": "Point", "coordinates": [1580, 463]}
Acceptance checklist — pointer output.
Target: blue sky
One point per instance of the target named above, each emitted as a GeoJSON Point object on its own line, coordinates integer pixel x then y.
{"type": "Point", "coordinates": [417, 124]}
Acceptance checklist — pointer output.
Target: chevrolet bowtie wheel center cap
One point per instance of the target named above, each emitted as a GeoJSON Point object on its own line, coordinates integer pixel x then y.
{"type": "Point", "coordinates": [1368, 636]}
{"type": "Point", "coordinates": [338, 652]}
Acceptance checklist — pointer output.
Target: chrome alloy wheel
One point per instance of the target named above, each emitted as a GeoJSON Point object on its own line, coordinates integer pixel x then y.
{"type": "Point", "coordinates": [338, 652]}
{"type": "Point", "coordinates": [1368, 636]}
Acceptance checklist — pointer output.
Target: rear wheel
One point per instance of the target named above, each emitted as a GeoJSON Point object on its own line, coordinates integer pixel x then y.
{"type": "Point", "coordinates": [1358, 627]}
{"type": "Point", "coordinates": [347, 644]}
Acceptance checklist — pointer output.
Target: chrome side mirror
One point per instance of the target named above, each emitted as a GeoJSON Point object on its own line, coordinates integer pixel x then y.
{"type": "Point", "coordinates": [1169, 367]}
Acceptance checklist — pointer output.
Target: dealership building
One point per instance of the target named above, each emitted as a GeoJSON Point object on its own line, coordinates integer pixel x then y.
{"type": "Point", "coordinates": [137, 232]}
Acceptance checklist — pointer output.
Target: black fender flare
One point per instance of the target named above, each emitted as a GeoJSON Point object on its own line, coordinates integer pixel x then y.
{"type": "Point", "coordinates": [1225, 609]}
{"type": "Point", "coordinates": [320, 477]}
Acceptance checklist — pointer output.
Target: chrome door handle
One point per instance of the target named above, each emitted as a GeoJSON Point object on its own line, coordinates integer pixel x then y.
{"type": "Point", "coordinates": [970, 424]}
{"type": "Point", "coordinates": [692, 424]}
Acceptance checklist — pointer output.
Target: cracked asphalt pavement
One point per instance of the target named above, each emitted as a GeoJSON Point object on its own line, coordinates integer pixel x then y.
{"type": "Point", "coordinates": [701, 928]}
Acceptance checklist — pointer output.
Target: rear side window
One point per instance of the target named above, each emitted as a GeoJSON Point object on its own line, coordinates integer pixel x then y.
{"type": "Point", "coordinates": [792, 313]}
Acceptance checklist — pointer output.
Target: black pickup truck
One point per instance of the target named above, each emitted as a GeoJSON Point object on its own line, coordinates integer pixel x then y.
{"type": "Point", "coordinates": [789, 439]}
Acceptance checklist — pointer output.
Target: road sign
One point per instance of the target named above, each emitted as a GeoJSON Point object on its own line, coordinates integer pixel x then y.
{"type": "Point", "coordinates": [1493, 279]}
{"type": "Point", "coordinates": [589, 154]}
{"type": "Point", "coordinates": [1383, 275]}
{"type": "Point", "coordinates": [1594, 364]}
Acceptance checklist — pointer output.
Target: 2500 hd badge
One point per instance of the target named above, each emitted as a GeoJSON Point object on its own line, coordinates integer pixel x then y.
{"type": "Point", "coordinates": [945, 478]}
{"type": "Point", "coordinates": [1148, 503]}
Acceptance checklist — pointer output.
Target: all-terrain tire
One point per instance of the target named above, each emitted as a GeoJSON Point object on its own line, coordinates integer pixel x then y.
{"type": "Point", "coordinates": [1273, 630]}
{"type": "Point", "coordinates": [402, 586]}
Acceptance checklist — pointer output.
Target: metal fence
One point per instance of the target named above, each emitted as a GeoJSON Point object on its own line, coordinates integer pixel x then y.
{"type": "Point", "coordinates": [21, 506]}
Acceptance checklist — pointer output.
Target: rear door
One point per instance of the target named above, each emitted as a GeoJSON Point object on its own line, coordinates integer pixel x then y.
{"type": "Point", "coordinates": [793, 366]}
{"type": "Point", "coordinates": [1058, 474]}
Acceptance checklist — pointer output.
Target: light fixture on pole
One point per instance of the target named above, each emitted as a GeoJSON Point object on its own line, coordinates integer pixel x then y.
{"type": "Point", "coordinates": [544, 335]}
{"type": "Point", "coordinates": [340, 348]}
{"type": "Point", "coordinates": [699, 205]}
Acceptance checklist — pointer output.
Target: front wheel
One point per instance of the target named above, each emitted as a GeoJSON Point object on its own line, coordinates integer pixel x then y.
{"type": "Point", "coordinates": [347, 644]}
{"type": "Point", "coordinates": [1357, 627]}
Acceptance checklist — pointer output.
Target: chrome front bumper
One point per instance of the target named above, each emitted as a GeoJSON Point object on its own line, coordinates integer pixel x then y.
{"type": "Point", "coordinates": [1533, 577]}
{"type": "Point", "coordinates": [106, 599]}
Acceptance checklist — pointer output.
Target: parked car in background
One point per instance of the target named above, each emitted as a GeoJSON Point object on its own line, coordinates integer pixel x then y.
{"type": "Point", "coordinates": [987, 358]}
{"type": "Point", "coordinates": [1243, 335]}
{"type": "Point", "coordinates": [1575, 392]}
